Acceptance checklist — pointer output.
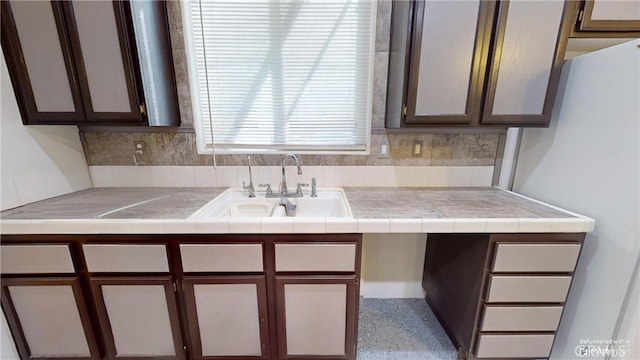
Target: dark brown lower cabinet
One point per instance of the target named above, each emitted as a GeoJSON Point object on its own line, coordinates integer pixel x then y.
{"type": "Point", "coordinates": [500, 296]}
{"type": "Point", "coordinates": [183, 296]}
{"type": "Point", "coordinates": [227, 316]}
{"type": "Point", "coordinates": [138, 317]}
{"type": "Point", "coordinates": [48, 318]}
{"type": "Point", "coordinates": [316, 316]}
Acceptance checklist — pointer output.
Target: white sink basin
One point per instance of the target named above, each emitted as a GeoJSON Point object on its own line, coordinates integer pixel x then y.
{"type": "Point", "coordinates": [234, 202]}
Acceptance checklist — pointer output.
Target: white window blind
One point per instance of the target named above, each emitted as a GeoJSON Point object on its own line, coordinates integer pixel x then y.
{"type": "Point", "coordinates": [282, 75]}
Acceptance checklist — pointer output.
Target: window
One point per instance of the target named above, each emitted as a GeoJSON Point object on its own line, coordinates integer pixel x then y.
{"type": "Point", "coordinates": [270, 76]}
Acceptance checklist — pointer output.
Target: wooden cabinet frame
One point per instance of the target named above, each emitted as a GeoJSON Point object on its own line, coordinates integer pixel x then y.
{"type": "Point", "coordinates": [124, 26]}
{"type": "Point", "coordinates": [541, 120]}
{"type": "Point", "coordinates": [490, 33]}
{"type": "Point", "coordinates": [18, 70]}
{"type": "Point", "coordinates": [602, 28]}
{"type": "Point", "coordinates": [476, 78]}
{"type": "Point", "coordinates": [181, 301]}
{"type": "Point", "coordinates": [456, 280]}
{"type": "Point", "coordinates": [14, 322]}
{"type": "Point", "coordinates": [192, 316]}
{"type": "Point", "coordinates": [84, 113]}
{"type": "Point", "coordinates": [105, 325]}
{"type": "Point", "coordinates": [351, 326]}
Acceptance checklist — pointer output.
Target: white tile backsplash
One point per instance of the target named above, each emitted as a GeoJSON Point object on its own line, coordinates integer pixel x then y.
{"type": "Point", "coordinates": [482, 176]}
{"type": "Point", "coordinates": [205, 176]}
{"type": "Point", "coordinates": [228, 176]}
{"type": "Point", "coordinates": [326, 176]}
{"type": "Point", "coordinates": [332, 176]}
{"type": "Point", "coordinates": [101, 176]}
{"type": "Point", "coordinates": [162, 176]}
{"type": "Point", "coordinates": [418, 176]}
{"type": "Point", "coordinates": [461, 176]}
{"type": "Point", "coordinates": [398, 176]}
{"type": "Point", "coordinates": [132, 176]}
{"type": "Point", "coordinates": [354, 175]}
{"type": "Point", "coordinates": [439, 176]}
{"type": "Point", "coordinates": [184, 176]}
{"type": "Point", "coordinates": [376, 176]}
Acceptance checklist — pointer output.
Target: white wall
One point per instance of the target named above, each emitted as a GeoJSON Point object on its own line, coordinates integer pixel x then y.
{"type": "Point", "coordinates": [588, 161]}
{"type": "Point", "coordinates": [630, 321]}
{"type": "Point", "coordinates": [37, 162]}
{"type": "Point", "coordinates": [7, 348]}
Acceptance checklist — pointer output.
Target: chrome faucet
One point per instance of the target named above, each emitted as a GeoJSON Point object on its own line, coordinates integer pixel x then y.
{"type": "Point", "coordinates": [250, 187]}
{"type": "Point", "coordinates": [289, 208]}
{"type": "Point", "coordinates": [284, 192]}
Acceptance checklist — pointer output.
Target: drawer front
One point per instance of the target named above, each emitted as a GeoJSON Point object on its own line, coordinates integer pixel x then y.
{"type": "Point", "coordinates": [221, 257]}
{"type": "Point", "coordinates": [316, 257]}
{"type": "Point", "coordinates": [126, 258]}
{"type": "Point", "coordinates": [529, 257]}
{"type": "Point", "coordinates": [521, 318]}
{"type": "Point", "coordinates": [36, 259]}
{"type": "Point", "coordinates": [514, 346]}
{"type": "Point", "coordinates": [528, 288]}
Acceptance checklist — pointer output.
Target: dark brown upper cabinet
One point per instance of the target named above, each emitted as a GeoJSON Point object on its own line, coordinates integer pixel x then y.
{"type": "Point", "coordinates": [599, 18]}
{"type": "Point", "coordinates": [475, 63]}
{"type": "Point", "coordinates": [76, 62]}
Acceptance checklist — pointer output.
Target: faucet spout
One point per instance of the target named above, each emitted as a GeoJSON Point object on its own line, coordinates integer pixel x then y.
{"type": "Point", "coordinates": [283, 181]}
{"type": "Point", "coordinates": [250, 187]}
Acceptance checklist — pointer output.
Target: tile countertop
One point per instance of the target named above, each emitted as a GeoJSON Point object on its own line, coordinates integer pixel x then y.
{"type": "Point", "coordinates": [375, 210]}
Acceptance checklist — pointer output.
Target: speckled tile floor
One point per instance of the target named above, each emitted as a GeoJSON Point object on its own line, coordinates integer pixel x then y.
{"type": "Point", "coordinates": [401, 329]}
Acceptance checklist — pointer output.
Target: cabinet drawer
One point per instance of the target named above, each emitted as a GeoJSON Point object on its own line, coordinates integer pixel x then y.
{"type": "Point", "coordinates": [521, 318]}
{"type": "Point", "coordinates": [535, 257]}
{"type": "Point", "coordinates": [126, 258]}
{"type": "Point", "coordinates": [221, 257]}
{"type": "Point", "coordinates": [36, 259]}
{"type": "Point", "coordinates": [528, 288]}
{"type": "Point", "coordinates": [316, 257]}
{"type": "Point", "coordinates": [514, 346]}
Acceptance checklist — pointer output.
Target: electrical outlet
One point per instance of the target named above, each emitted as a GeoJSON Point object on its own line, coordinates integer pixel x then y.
{"type": "Point", "coordinates": [138, 146]}
{"type": "Point", "coordinates": [416, 149]}
{"type": "Point", "coordinates": [384, 150]}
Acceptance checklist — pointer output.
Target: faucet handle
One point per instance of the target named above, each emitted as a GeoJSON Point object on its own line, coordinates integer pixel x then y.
{"type": "Point", "coordinates": [314, 192]}
{"type": "Point", "coordinates": [268, 186]}
{"type": "Point", "coordinates": [299, 188]}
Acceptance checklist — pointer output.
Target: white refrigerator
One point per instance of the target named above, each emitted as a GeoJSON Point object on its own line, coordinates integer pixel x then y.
{"type": "Point", "coordinates": [588, 161]}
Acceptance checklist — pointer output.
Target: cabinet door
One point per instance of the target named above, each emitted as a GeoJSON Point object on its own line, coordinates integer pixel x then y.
{"type": "Point", "coordinates": [616, 15]}
{"type": "Point", "coordinates": [527, 57]}
{"type": "Point", "coordinates": [316, 316]}
{"type": "Point", "coordinates": [447, 63]}
{"type": "Point", "coordinates": [227, 316]}
{"type": "Point", "coordinates": [138, 317]}
{"type": "Point", "coordinates": [103, 48]}
{"type": "Point", "coordinates": [48, 318]}
{"type": "Point", "coordinates": [39, 60]}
